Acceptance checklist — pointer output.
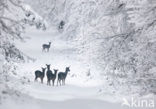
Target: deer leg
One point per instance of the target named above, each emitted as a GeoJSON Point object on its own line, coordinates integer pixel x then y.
{"type": "Point", "coordinates": [57, 82]}
{"type": "Point", "coordinates": [35, 78]}
{"type": "Point", "coordinates": [47, 82]}
{"type": "Point", "coordinates": [42, 80]}
{"type": "Point", "coordinates": [60, 82]}
{"type": "Point", "coordinates": [64, 81]}
{"type": "Point", "coordinates": [53, 82]}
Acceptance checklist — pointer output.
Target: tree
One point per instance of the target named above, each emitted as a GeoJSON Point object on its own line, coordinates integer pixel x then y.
{"type": "Point", "coordinates": [116, 39]}
{"type": "Point", "coordinates": [14, 17]}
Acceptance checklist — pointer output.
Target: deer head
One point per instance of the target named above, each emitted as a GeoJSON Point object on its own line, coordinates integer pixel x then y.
{"type": "Point", "coordinates": [48, 66]}
{"type": "Point", "coordinates": [67, 69]}
{"type": "Point", "coordinates": [43, 69]}
{"type": "Point", "coordinates": [55, 70]}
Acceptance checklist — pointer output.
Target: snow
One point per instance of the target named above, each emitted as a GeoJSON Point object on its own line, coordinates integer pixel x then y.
{"type": "Point", "coordinates": [63, 93]}
{"type": "Point", "coordinates": [79, 89]}
{"type": "Point", "coordinates": [94, 61]}
{"type": "Point", "coordinates": [61, 55]}
{"type": "Point", "coordinates": [68, 104]}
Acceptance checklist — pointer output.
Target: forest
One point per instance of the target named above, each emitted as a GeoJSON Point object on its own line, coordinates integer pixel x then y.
{"type": "Point", "coordinates": [103, 51]}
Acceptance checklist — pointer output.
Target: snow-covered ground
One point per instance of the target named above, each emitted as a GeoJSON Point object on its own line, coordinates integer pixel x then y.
{"type": "Point", "coordinates": [61, 55]}
{"type": "Point", "coordinates": [80, 91]}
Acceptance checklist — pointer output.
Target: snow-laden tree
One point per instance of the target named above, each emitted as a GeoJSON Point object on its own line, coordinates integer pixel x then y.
{"type": "Point", "coordinates": [15, 16]}
{"type": "Point", "coordinates": [128, 57]}
{"type": "Point", "coordinates": [126, 53]}
{"type": "Point", "coordinates": [52, 11]}
{"type": "Point", "coordinates": [116, 38]}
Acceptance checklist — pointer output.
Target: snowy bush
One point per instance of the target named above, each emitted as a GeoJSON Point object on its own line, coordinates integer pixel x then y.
{"type": "Point", "coordinates": [15, 16]}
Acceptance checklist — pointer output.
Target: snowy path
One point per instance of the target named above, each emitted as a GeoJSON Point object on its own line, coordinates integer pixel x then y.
{"type": "Point", "coordinates": [78, 93]}
{"type": "Point", "coordinates": [80, 104]}
{"type": "Point", "coordinates": [58, 93]}
{"type": "Point", "coordinates": [61, 55]}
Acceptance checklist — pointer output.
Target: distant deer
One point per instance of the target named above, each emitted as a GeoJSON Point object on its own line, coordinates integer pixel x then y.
{"type": "Point", "coordinates": [49, 74]}
{"type": "Point", "coordinates": [62, 76]}
{"type": "Point", "coordinates": [40, 74]}
{"type": "Point", "coordinates": [54, 76]}
{"type": "Point", "coordinates": [61, 25]}
{"type": "Point", "coordinates": [46, 46]}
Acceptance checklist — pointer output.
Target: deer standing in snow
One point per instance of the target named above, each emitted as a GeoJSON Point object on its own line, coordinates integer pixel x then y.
{"type": "Point", "coordinates": [49, 74]}
{"type": "Point", "coordinates": [62, 76]}
{"type": "Point", "coordinates": [53, 77]}
{"type": "Point", "coordinates": [46, 46]}
{"type": "Point", "coordinates": [40, 74]}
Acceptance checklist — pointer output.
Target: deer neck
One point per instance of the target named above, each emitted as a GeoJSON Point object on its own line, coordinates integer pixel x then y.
{"type": "Point", "coordinates": [43, 72]}
{"type": "Point", "coordinates": [66, 72]}
{"type": "Point", "coordinates": [55, 73]}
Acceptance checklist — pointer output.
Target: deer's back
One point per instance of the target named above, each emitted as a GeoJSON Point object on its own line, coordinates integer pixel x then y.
{"type": "Point", "coordinates": [61, 75]}
{"type": "Point", "coordinates": [45, 45]}
{"type": "Point", "coordinates": [38, 73]}
{"type": "Point", "coordinates": [53, 76]}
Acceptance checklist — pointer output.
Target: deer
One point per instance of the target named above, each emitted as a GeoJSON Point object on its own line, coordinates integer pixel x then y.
{"type": "Point", "coordinates": [61, 25]}
{"type": "Point", "coordinates": [40, 74]}
{"type": "Point", "coordinates": [62, 76]}
{"type": "Point", "coordinates": [54, 76]}
{"type": "Point", "coordinates": [49, 74]}
{"type": "Point", "coordinates": [46, 46]}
